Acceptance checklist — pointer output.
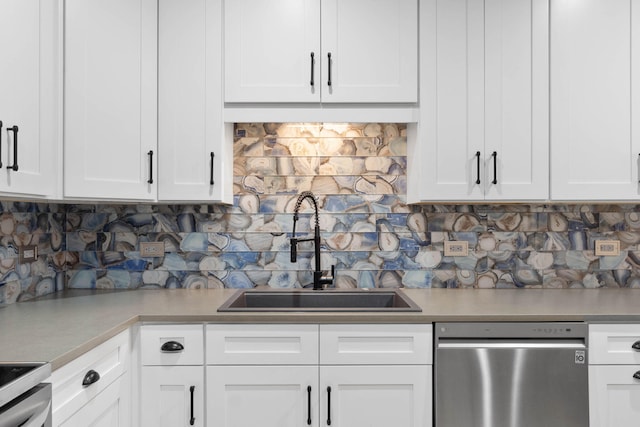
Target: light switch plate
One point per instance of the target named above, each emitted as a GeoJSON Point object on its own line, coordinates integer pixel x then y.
{"type": "Point", "coordinates": [607, 247]}
{"type": "Point", "coordinates": [151, 249]}
{"type": "Point", "coordinates": [28, 253]}
{"type": "Point", "coordinates": [456, 248]}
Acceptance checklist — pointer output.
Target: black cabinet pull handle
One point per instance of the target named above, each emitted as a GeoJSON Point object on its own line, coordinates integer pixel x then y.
{"type": "Point", "coordinates": [14, 166]}
{"type": "Point", "coordinates": [150, 154]}
{"type": "Point", "coordinates": [328, 406]}
{"type": "Point", "coordinates": [636, 346]}
{"type": "Point", "coordinates": [308, 405]}
{"type": "Point", "coordinates": [329, 66]}
{"type": "Point", "coordinates": [192, 420]}
{"type": "Point", "coordinates": [90, 377]}
{"type": "Point", "coordinates": [0, 143]}
{"type": "Point", "coordinates": [637, 375]}
{"type": "Point", "coordinates": [171, 347]}
{"type": "Point", "coordinates": [313, 64]}
{"type": "Point", "coordinates": [478, 166]}
{"type": "Point", "coordinates": [211, 177]}
{"type": "Point", "coordinates": [495, 167]}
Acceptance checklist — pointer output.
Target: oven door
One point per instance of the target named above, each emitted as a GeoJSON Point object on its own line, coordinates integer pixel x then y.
{"type": "Point", "coordinates": [31, 409]}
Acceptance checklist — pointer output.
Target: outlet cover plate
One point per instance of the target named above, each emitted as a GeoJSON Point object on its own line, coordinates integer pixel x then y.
{"type": "Point", "coordinates": [607, 247]}
{"type": "Point", "coordinates": [456, 248]}
{"type": "Point", "coordinates": [28, 253]}
{"type": "Point", "coordinates": [151, 249]}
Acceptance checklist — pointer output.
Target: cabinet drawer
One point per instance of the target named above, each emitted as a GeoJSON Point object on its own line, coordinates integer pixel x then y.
{"type": "Point", "coordinates": [376, 344]}
{"type": "Point", "coordinates": [111, 406]}
{"type": "Point", "coordinates": [110, 360]}
{"type": "Point", "coordinates": [172, 345]}
{"type": "Point", "coordinates": [262, 344]}
{"type": "Point", "coordinates": [612, 344]}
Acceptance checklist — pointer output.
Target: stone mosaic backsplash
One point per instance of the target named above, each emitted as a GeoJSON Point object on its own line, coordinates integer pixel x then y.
{"type": "Point", "coordinates": [358, 173]}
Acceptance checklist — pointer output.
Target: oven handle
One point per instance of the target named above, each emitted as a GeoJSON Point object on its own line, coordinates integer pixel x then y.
{"type": "Point", "coordinates": [40, 419]}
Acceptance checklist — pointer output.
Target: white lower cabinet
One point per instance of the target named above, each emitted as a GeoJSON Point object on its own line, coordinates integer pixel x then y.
{"type": "Point", "coordinates": [375, 396]}
{"type": "Point", "coordinates": [614, 375]}
{"type": "Point", "coordinates": [266, 396]}
{"type": "Point", "coordinates": [108, 409]}
{"type": "Point", "coordinates": [614, 394]}
{"type": "Point", "coordinates": [359, 375]}
{"type": "Point", "coordinates": [172, 376]}
{"type": "Point", "coordinates": [172, 396]}
{"type": "Point", "coordinates": [95, 388]}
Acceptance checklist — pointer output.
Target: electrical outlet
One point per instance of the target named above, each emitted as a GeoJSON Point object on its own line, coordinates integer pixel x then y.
{"type": "Point", "coordinates": [151, 249]}
{"type": "Point", "coordinates": [607, 247]}
{"type": "Point", "coordinates": [27, 253]}
{"type": "Point", "coordinates": [209, 228]}
{"type": "Point", "coordinates": [456, 248]}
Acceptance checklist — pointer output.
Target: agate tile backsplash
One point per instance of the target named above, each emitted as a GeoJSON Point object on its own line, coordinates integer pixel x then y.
{"type": "Point", "coordinates": [358, 173]}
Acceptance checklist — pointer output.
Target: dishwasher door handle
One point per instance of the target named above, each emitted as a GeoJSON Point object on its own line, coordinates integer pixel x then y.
{"type": "Point", "coordinates": [512, 344]}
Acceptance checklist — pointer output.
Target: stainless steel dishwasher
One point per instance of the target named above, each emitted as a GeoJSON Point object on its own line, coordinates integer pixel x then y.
{"type": "Point", "coordinates": [511, 375]}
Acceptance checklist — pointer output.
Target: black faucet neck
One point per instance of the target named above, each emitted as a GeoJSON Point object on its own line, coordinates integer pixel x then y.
{"type": "Point", "coordinates": [306, 195]}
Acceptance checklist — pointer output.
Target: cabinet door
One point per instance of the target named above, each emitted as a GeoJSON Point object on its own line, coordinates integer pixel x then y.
{"type": "Point", "coordinates": [451, 129]}
{"type": "Point", "coordinates": [110, 123]}
{"type": "Point", "coordinates": [30, 45]}
{"type": "Point", "coordinates": [265, 396]}
{"type": "Point", "coordinates": [614, 396]}
{"type": "Point", "coordinates": [170, 393]}
{"type": "Point", "coordinates": [485, 92]}
{"type": "Point", "coordinates": [110, 408]}
{"type": "Point", "coordinates": [516, 99]}
{"type": "Point", "coordinates": [375, 396]}
{"type": "Point", "coordinates": [190, 137]}
{"type": "Point", "coordinates": [373, 48]}
{"type": "Point", "coordinates": [595, 103]}
{"type": "Point", "coordinates": [268, 51]}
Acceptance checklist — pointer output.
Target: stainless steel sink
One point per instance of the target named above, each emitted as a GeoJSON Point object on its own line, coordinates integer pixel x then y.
{"type": "Point", "coordinates": [319, 301]}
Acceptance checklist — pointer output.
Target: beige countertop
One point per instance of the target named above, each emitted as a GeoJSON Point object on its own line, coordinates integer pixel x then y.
{"type": "Point", "coordinates": [61, 327]}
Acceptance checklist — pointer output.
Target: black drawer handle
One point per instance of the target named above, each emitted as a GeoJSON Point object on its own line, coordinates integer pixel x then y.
{"type": "Point", "coordinates": [211, 177]}
{"type": "Point", "coordinates": [309, 405]}
{"type": "Point", "coordinates": [150, 154]}
{"type": "Point", "coordinates": [171, 347]}
{"type": "Point", "coordinates": [636, 346]}
{"type": "Point", "coordinates": [328, 406]}
{"type": "Point", "coordinates": [313, 63]}
{"type": "Point", "coordinates": [495, 167]}
{"type": "Point", "coordinates": [14, 166]}
{"type": "Point", "coordinates": [90, 377]}
{"type": "Point", "coordinates": [478, 166]}
{"type": "Point", "coordinates": [637, 375]}
{"type": "Point", "coordinates": [192, 420]}
{"type": "Point", "coordinates": [329, 66]}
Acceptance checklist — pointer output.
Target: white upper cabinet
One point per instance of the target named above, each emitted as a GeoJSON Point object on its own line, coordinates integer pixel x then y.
{"type": "Point", "coordinates": [595, 101]}
{"type": "Point", "coordinates": [268, 50]}
{"type": "Point", "coordinates": [143, 101]}
{"type": "Point", "coordinates": [195, 159]}
{"type": "Point", "coordinates": [483, 131]}
{"type": "Point", "coordinates": [346, 51]}
{"type": "Point", "coordinates": [29, 103]}
{"type": "Point", "coordinates": [110, 88]}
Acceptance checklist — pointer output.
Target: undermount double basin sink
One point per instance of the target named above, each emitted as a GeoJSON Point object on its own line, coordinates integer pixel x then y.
{"type": "Point", "coordinates": [319, 301]}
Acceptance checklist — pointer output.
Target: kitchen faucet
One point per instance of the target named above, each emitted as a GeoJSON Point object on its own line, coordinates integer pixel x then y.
{"type": "Point", "coordinates": [318, 280]}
